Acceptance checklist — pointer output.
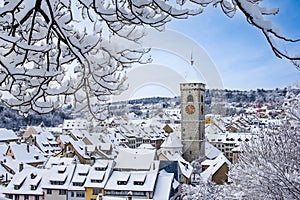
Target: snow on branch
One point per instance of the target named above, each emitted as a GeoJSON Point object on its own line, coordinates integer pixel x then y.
{"type": "Point", "coordinates": [51, 51]}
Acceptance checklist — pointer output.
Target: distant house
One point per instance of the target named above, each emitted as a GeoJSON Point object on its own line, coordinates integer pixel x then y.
{"type": "Point", "coordinates": [76, 149]}
{"type": "Point", "coordinates": [45, 141]}
{"type": "Point", "coordinates": [25, 153]}
{"type": "Point", "coordinates": [79, 124]}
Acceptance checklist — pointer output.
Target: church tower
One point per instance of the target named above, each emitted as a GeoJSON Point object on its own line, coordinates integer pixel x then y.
{"type": "Point", "coordinates": [192, 120]}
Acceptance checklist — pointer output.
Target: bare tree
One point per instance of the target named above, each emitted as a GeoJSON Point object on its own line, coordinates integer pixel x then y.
{"type": "Point", "coordinates": [67, 49]}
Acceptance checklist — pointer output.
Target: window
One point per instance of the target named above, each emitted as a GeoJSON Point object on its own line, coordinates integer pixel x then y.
{"type": "Point", "coordinates": [17, 197]}
{"type": "Point", "coordinates": [96, 180]}
{"type": "Point", "coordinates": [96, 191]}
{"type": "Point", "coordinates": [26, 197]}
{"type": "Point", "coordinates": [17, 187]}
{"type": "Point", "coordinates": [36, 198]}
{"type": "Point", "coordinates": [122, 182]}
{"type": "Point", "coordinates": [190, 98]}
{"type": "Point", "coordinates": [62, 192]}
{"type": "Point", "coordinates": [202, 99]}
{"type": "Point", "coordinates": [77, 184]}
{"type": "Point", "coordinates": [138, 183]}
{"type": "Point", "coordinates": [72, 194]}
{"type": "Point", "coordinates": [49, 191]}
{"type": "Point", "coordinates": [80, 194]}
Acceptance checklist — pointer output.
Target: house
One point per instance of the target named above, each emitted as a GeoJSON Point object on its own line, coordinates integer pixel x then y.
{"type": "Point", "coordinates": [79, 124]}
{"type": "Point", "coordinates": [97, 178]}
{"type": "Point", "coordinates": [78, 150]}
{"type": "Point", "coordinates": [55, 185]}
{"type": "Point", "coordinates": [76, 191]}
{"type": "Point", "coordinates": [135, 173]}
{"type": "Point", "coordinates": [26, 184]}
{"type": "Point", "coordinates": [163, 191]}
{"type": "Point", "coordinates": [25, 153]}
{"type": "Point", "coordinates": [216, 169]}
{"type": "Point", "coordinates": [46, 142]}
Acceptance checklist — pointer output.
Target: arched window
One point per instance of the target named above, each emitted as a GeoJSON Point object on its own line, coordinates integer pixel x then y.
{"type": "Point", "coordinates": [190, 98]}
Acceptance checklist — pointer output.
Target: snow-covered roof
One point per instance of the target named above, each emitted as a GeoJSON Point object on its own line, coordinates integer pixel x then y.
{"type": "Point", "coordinates": [229, 137]}
{"type": "Point", "coordinates": [26, 153]}
{"type": "Point", "coordinates": [79, 177]}
{"type": "Point", "coordinates": [23, 182]}
{"type": "Point", "coordinates": [163, 186]}
{"type": "Point", "coordinates": [138, 159]}
{"type": "Point", "coordinates": [46, 143]}
{"type": "Point", "coordinates": [185, 167]}
{"type": "Point", "coordinates": [52, 161]}
{"type": "Point", "coordinates": [129, 180]}
{"type": "Point", "coordinates": [214, 166]}
{"type": "Point", "coordinates": [99, 174]}
{"type": "Point", "coordinates": [211, 151]}
{"type": "Point", "coordinates": [7, 135]}
{"type": "Point", "coordinates": [146, 146]}
{"type": "Point", "coordinates": [60, 177]}
{"type": "Point", "coordinates": [173, 141]}
{"type": "Point", "coordinates": [75, 124]}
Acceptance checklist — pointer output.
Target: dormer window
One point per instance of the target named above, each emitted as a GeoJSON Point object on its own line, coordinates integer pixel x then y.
{"type": "Point", "coordinates": [123, 180]}
{"type": "Point", "coordinates": [61, 169]}
{"type": "Point", "coordinates": [33, 187]}
{"type": "Point", "coordinates": [17, 187]}
{"type": "Point", "coordinates": [77, 184]}
{"type": "Point", "coordinates": [138, 183]}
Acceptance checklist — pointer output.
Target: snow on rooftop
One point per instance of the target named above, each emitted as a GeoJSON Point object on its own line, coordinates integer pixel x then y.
{"type": "Point", "coordinates": [130, 180]}
{"type": "Point", "coordinates": [214, 166]}
{"type": "Point", "coordinates": [173, 141]}
{"type": "Point", "coordinates": [185, 167]}
{"type": "Point", "coordinates": [23, 182]}
{"type": "Point", "coordinates": [138, 159]}
{"type": "Point", "coordinates": [163, 186]}
{"type": "Point", "coordinates": [6, 135]}
{"type": "Point", "coordinates": [99, 174]}
{"type": "Point", "coordinates": [211, 151]}
{"type": "Point", "coordinates": [52, 161]}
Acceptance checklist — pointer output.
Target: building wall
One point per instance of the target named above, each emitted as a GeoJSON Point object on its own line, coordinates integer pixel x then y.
{"type": "Point", "coordinates": [193, 120]}
{"type": "Point", "coordinates": [89, 193]}
{"type": "Point", "coordinates": [22, 197]}
{"type": "Point", "coordinates": [221, 175]}
{"type": "Point", "coordinates": [76, 195]}
{"type": "Point", "coordinates": [55, 195]}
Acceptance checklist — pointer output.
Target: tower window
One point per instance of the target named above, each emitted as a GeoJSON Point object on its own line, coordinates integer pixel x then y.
{"type": "Point", "coordinates": [202, 98]}
{"type": "Point", "coordinates": [190, 98]}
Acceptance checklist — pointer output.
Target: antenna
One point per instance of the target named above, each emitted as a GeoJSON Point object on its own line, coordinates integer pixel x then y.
{"type": "Point", "coordinates": [192, 60]}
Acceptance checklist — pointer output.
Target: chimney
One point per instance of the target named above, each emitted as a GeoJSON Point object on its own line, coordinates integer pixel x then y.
{"type": "Point", "coordinates": [21, 167]}
{"type": "Point", "coordinates": [129, 195]}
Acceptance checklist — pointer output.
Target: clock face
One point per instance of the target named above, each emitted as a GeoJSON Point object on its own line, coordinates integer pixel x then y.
{"type": "Point", "coordinates": [190, 109]}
